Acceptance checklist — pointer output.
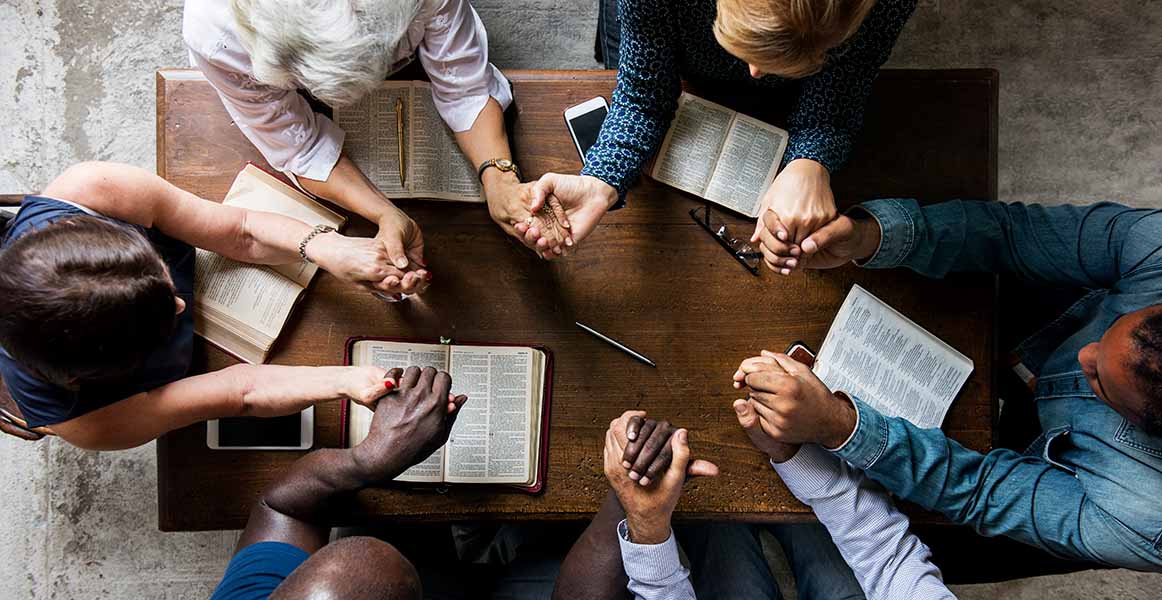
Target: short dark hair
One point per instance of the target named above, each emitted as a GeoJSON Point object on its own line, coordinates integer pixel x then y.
{"type": "Point", "coordinates": [85, 300]}
{"type": "Point", "coordinates": [1148, 370]}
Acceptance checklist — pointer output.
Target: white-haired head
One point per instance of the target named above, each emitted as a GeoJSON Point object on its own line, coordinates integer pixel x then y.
{"type": "Point", "coordinates": [338, 50]}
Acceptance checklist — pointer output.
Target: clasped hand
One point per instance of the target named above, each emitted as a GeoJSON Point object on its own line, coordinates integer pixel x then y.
{"type": "Point", "coordinates": [391, 263]}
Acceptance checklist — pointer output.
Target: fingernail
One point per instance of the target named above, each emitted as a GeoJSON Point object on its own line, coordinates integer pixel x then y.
{"type": "Point", "coordinates": [782, 235]}
{"type": "Point", "coordinates": [631, 435]}
{"type": "Point", "coordinates": [785, 271]}
{"type": "Point", "coordinates": [682, 435]}
{"type": "Point", "coordinates": [792, 263]}
{"type": "Point", "coordinates": [568, 241]}
{"type": "Point", "coordinates": [634, 476]}
{"type": "Point", "coordinates": [644, 481]}
{"type": "Point", "coordinates": [795, 251]}
{"type": "Point", "coordinates": [401, 262]}
{"type": "Point", "coordinates": [625, 464]}
{"type": "Point", "coordinates": [389, 384]}
{"type": "Point", "coordinates": [740, 408]}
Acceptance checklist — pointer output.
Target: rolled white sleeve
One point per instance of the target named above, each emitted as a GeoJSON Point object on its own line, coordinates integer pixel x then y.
{"type": "Point", "coordinates": [291, 136]}
{"type": "Point", "coordinates": [872, 535]}
{"type": "Point", "coordinates": [655, 572]}
{"type": "Point", "coordinates": [454, 53]}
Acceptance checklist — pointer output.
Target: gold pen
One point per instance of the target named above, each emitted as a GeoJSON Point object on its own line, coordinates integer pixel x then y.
{"type": "Point", "coordinates": [399, 135]}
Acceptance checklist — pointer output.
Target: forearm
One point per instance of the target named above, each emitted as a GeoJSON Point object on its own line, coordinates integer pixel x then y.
{"type": "Point", "coordinates": [873, 537]}
{"type": "Point", "coordinates": [486, 140]}
{"type": "Point", "coordinates": [593, 567]}
{"type": "Point", "coordinates": [299, 507]}
{"type": "Point", "coordinates": [348, 187]}
{"type": "Point", "coordinates": [275, 390]}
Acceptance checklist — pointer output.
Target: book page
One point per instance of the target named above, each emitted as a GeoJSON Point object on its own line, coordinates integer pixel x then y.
{"type": "Point", "coordinates": [895, 366]}
{"type": "Point", "coordinates": [749, 161]}
{"type": "Point", "coordinates": [692, 145]}
{"type": "Point", "coordinates": [490, 440]}
{"type": "Point", "coordinates": [389, 355]}
{"type": "Point", "coordinates": [372, 135]}
{"type": "Point", "coordinates": [252, 294]}
{"type": "Point", "coordinates": [255, 189]}
{"type": "Point", "coordinates": [438, 168]}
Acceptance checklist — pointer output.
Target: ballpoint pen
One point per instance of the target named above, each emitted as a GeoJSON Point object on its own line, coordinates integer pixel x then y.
{"type": "Point", "coordinates": [616, 344]}
{"type": "Point", "coordinates": [399, 135]}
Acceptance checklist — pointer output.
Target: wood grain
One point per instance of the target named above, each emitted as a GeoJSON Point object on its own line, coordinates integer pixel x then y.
{"type": "Point", "coordinates": [648, 276]}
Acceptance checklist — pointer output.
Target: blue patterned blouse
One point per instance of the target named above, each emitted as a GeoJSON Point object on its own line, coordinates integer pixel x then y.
{"type": "Point", "coordinates": [664, 41]}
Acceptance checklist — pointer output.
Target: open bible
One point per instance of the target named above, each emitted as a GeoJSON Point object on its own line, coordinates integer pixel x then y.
{"type": "Point", "coordinates": [500, 435]}
{"type": "Point", "coordinates": [242, 308]}
{"type": "Point", "coordinates": [894, 365]}
{"type": "Point", "coordinates": [398, 123]}
{"type": "Point", "coordinates": [720, 154]}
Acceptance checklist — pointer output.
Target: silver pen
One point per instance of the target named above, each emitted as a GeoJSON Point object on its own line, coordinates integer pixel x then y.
{"type": "Point", "coordinates": [616, 344]}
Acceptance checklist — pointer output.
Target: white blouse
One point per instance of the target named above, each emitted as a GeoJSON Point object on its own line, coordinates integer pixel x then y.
{"type": "Point", "coordinates": [447, 35]}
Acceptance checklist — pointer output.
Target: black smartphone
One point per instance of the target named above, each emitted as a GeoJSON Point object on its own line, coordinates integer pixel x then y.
{"type": "Point", "coordinates": [290, 432]}
{"type": "Point", "coordinates": [584, 121]}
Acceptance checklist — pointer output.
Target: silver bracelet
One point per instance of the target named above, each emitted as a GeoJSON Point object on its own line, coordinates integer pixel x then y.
{"type": "Point", "coordinates": [310, 236]}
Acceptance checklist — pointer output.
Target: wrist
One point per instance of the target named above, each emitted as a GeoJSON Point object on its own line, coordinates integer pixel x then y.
{"type": "Point", "coordinates": [607, 192]}
{"type": "Point", "coordinates": [809, 166]}
{"type": "Point", "coordinates": [869, 238]}
{"type": "Point", "coordinates": [843, 422]}
{"type": "Point", "coordinates": [318, 249]}
{"type": "Point", "coordinates": [781, 453]}
{"type": "Point", "coordinates": [648, 529]}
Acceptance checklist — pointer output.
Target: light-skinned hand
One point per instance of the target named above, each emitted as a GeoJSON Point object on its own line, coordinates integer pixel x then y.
{"type": "Point", "coordinates": [797, 204]}
{"type": "Point", "coordinates": [583, 199]}
{"type": "Point", "coordinates": [403, 242]}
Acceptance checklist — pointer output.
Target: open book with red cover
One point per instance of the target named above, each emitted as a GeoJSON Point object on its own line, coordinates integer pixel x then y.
{"type": "Point", "coordinates": [501, 436]}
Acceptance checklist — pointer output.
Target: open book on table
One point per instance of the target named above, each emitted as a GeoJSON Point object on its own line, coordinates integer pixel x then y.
{"type": "Point", "coordinates": [720, 154]}
{"type": "Point", "coordinates": [892, 364]}
{"type": "Point", "coordinates": [242, 308]}
{"type": "Point", "coordinates": [501, 434]}
{"type": "Point", "coordinates": [433, 168]}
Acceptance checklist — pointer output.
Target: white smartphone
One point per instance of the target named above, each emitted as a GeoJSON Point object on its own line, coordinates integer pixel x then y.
{"type": "Point", "coordinates": [584, 122]}
{"type": "Point", "coordinates": [292, 432]}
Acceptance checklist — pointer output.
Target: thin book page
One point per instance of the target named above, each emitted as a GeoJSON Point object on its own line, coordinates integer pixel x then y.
{"type": "Point", "coordinates": [880, 356]}
{"type": "Point", "coordinates": [693, 144]}
{"type": "Point", "coordinates": [255, 295]}
{"type": "Point", "coordinates": [490, 442]}
{"type": "Point", "coordinates": [390, 355]}
{"type": "Point", "coordinates": [372, 135]}
{"type": "Point", "coordinates": [438, 169]}
{"type": "Point", "coordinates": [748, 164]}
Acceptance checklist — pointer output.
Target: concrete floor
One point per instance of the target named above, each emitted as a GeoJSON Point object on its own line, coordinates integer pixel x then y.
{"type": "Point", "coordinates": [1079, 122]}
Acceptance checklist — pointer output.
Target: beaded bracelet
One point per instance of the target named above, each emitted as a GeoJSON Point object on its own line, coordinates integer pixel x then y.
{"type": "Point", "coordinates": [310, 236]}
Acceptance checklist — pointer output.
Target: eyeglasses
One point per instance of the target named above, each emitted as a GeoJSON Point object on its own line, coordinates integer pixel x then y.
{"type": "Point", "coordinates": [735, 238]}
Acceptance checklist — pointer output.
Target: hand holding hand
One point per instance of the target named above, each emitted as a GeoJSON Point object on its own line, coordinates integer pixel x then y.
{"type": "Point", "coordinates": [403, 242]}
{"type": "Point", "coordinates": [647, 452]}
{"type": "Point", "coordinates": [583, 199]}
{"type": "Point", "coordinates": [408, 427]}
{"type": "Point", "coordinates": [510, 204]}
{"type": "Point", "coordinates": [797, 204]}
{"type": "Point", "coordinates": [793, 405]}
{"type": "Point", "coordinates": [364, 262]}
{"type": "Point", "coordinates": [648, 509]}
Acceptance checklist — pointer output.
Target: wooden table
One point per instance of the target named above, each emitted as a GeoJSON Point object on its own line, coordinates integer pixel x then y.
{"type": "Point", "coordinates": [648, 276]}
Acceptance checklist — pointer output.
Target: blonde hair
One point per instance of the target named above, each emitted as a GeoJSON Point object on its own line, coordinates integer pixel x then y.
{"type": "Point", "coordinates": [338, 50]}
{"type": "Point", "coordinates": [789, 38]}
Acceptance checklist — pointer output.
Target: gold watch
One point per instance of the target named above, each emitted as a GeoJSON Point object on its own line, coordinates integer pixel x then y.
{"type": "Point", "coordinates": [502, 164]}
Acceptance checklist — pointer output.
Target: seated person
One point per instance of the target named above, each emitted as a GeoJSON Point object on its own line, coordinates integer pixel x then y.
{"type": "Point", "coordinates": [823, 54]}
{"type": "Point", "coordinates": [283, 552]}
{"type": "Point", "coordinates": [647, 463]}
{"type": "Point", "coordinates": [258, 53]}
{"type": "Point", "coordinates": [1088, 488]}
{"type": "Point", "coordinates": [96, 335]}
{"type": "Point", "coordinates": [872, 535]}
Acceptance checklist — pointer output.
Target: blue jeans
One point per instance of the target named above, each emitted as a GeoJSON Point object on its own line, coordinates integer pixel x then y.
{"type": "Point", "coordinates": [607, 48]}
{"type": "Point", "coordinates": [727, 562]}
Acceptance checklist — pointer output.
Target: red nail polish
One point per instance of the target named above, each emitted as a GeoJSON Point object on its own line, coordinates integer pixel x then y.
{"type": "Point", "coordinates": [428, 276]}
{"type": "Point", "coordinates": [389, 384]}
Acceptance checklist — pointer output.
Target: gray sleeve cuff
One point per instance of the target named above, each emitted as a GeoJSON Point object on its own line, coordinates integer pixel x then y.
{"type": "Point", "coordinates": [654, 564]}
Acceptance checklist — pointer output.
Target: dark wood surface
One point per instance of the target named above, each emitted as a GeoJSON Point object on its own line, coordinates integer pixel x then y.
{"type": "Point", "coordinates": [648, 276]}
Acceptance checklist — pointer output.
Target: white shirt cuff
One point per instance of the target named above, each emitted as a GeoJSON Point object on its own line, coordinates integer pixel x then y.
{"type": "Point", "coordinates": [650, 563]}
{"type": "Point", "coordinates": [809, 472]}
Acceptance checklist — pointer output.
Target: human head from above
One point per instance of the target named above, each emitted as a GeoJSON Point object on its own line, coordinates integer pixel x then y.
{"type": "Point", "coordinates": [787, 38]}
{"type": "Point", "coordinates": [85, 300]}
{"type": "Point", "coordinates": [339, 51]}
{"type": "Point", "coordinates": [1124, 368]}
{"type": "Point", "coordinates": [355, 568]}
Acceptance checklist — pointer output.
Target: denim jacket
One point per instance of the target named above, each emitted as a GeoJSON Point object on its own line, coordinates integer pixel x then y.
{"type": "Point", "coordinates": [1090, 487]}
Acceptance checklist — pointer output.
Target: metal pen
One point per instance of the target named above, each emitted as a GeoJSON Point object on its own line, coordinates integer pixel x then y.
{"type": "Point", "coordinates": [616, 344]}
{"type": "Point", "coordinates": [399, 130]}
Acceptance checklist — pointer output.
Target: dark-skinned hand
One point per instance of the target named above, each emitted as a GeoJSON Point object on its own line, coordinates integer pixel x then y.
{"type": "Point", "coordinates": [647, 449]}
{"type": "Point", "coordinates": [409, 424]}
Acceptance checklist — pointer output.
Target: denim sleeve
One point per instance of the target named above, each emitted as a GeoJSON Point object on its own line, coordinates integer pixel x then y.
{"type": "Point", "coordinates": [645, 99]}
{"type": "Point", "coordinates": [1092, 246]}
{"type": "Point", "coordinates": [999, 493]}
{"type": "Point", "coordinates": [829, 111]}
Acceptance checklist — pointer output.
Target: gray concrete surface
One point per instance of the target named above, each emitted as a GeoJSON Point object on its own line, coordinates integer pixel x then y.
{"type": "Point", "coordinates": [1079, 121]}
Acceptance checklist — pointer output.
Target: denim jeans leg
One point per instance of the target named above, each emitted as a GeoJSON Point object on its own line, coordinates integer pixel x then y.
{"type": "Point", "coordinates": [608, 43]}
{"type": "Point", "coordinates": [820, 571]}
{"type": "Point", "coordinates": [727, 562]}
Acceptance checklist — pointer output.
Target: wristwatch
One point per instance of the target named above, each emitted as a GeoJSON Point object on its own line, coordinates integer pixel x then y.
{"type": "Point", "coordinates": [502, 164]}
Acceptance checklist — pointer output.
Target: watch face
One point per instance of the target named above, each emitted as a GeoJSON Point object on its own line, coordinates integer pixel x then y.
{"type": "Point", "coordinates": [504, 164]}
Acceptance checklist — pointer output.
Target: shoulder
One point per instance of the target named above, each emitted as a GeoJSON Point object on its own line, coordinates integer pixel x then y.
{"type": "Point", "coordinates": [40, 403]}
{"type": "Point", "coordinates": [209, 30]}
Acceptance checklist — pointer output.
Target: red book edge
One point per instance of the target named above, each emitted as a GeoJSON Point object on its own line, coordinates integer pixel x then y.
{"type": "Point", "coordinates": [547, 401]}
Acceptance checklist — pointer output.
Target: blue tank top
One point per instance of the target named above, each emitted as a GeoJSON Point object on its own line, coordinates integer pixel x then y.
{"type": "Point", "coordinates": [44, 403]}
